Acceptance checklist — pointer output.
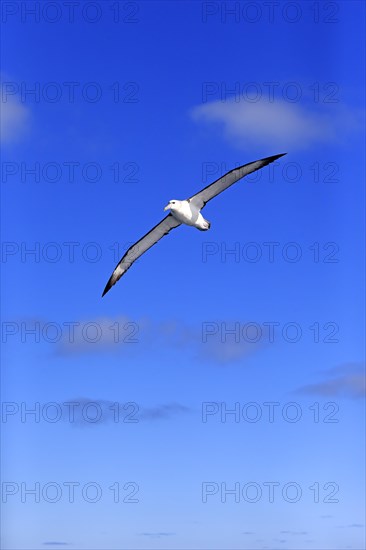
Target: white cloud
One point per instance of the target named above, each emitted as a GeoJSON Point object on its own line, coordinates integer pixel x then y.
{"type": "Point", "coordinates": [280, 124]}
{"type": "Point", "coordinates": [14, 121]}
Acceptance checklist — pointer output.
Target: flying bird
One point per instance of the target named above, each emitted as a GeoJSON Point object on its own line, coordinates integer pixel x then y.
{"type": "Point", "coordinates": [188, 212]}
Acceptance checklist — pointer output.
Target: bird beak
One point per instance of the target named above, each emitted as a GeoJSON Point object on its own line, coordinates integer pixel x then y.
{"type": "Point", "coordinates": [167, 207]}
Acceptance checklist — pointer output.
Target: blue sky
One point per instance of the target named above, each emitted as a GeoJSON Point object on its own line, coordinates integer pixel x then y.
{"type": "Point", "coordinates": [109, 110]}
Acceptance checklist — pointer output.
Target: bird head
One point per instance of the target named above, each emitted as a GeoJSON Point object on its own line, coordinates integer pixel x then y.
{"type": "Point", "coordinates": [172, 205]}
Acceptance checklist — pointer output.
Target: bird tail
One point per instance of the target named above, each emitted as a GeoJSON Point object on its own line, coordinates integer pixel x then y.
{"type": "Point", "coordinates": [206, 228]}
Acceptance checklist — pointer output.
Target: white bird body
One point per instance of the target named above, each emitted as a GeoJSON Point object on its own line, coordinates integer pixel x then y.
{"type": "Point", "coordinates": [188, 212]}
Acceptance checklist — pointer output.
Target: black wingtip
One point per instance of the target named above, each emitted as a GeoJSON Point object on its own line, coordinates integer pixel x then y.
{"type": "Point", "coordinates": [107, 287]}
{"type": "Point", "coordinates": [275, 157]}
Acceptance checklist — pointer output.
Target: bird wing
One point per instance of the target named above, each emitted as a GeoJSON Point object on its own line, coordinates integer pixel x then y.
{"type": "Point", "coordinates": [141, 246]}
{"type": "Point", "coordinates": [202, 197]}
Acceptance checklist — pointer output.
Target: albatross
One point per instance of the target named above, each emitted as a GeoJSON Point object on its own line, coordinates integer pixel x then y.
{"type": "Point", "coordinates": [184, 211]}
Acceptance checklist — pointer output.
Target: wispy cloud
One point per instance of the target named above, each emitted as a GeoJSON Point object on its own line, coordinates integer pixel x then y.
{"type": "Point", "coordinates": [205, 343]}
{"type": "Point", "coordinates": [157, 535]}
{"type": "Point", "coordinates": [346, 380]}
{"type": "Point", "coordinates": [286, 125]}
{"type": "Point", "coordinates": [352, 526]}
{"type": "Point", "coordinates": [162, 412]}
{"type": "Point", "coordinates": [14, 121]}
{"type": "Point", "coordinates": [229, 351]}
{"type": "Point", "coordinates": [56, 543]}
{"type": "Point", "coordinates": [90, 412]}
{"type": "Point", "coordinates": [226, 342]}
{"type": "Point", "coordinates": [100, 334]}
{"type": "Point", "coordinates": [294, 532]}
{"type": "Point", "coordinates": [212, 348]}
